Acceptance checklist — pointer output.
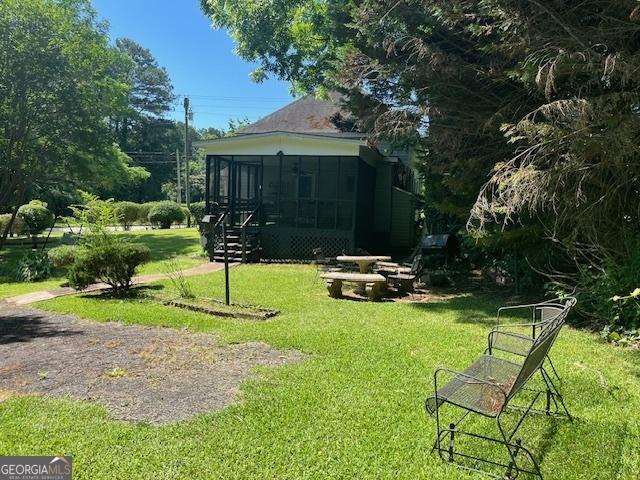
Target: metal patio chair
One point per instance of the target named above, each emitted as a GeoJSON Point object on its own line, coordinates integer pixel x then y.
{"type": "Point", "coordinates": [488, 387]}
{"type": "Point", "coordinates": [541, 313]}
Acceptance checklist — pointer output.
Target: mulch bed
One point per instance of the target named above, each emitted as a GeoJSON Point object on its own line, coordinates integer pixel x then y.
{"type": "Point", "coordinates": [220, 309]}
{"type": "Point", "coordinates": [139, 373]}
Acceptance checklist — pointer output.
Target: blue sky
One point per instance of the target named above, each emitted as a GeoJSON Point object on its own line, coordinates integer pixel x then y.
{"type": "Point", "coordinates": [200, 60]}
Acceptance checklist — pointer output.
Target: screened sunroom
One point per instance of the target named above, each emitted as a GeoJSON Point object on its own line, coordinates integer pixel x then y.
{"type": "Point", "coordinates": [303, 190]}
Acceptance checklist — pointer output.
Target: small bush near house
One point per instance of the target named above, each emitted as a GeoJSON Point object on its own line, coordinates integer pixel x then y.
{"type": "Point", "coordinates": [33, 266]}
{"type": "Point", "coordinates": [166, 213]}
{"type": "Point", "coordinates": [197, 211]}
{"type": "Point", "coordinates": [128, 213]}
{"type": "Point", "coordinates": [113, 263]}
{"type": "Point", "coordinates": [35, 217]}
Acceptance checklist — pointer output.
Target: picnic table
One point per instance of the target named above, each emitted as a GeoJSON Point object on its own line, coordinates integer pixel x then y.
{"type": "Point", "coordinates": [363, 261]}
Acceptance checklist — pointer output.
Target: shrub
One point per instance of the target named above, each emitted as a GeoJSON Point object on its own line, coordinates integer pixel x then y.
{"type": "Point", "coordinates": [113, 263]}
{"type": "Point", "coordinates": [187, 214]}
{"type": "Point", "coordinates": [610, 296]}
{"type": "Point", "coordinates": [35, 217]}
{"type": "Point", "coordinates": [128, 213]}
{"type": "Point", "coordinates": [101, 255]}
{"type": "Point", "coordinates": [197, 211]}
{"type": "Point", "coordinates": [143, 212]}
{"type": "Point", "coordinates": [33, 266]}
{"type": "Point", "coordinates": [16, 228]}
{"type": "Point", "coordinates": [166, 213]}
{"type": "Point", "coordinates": [63, 256]}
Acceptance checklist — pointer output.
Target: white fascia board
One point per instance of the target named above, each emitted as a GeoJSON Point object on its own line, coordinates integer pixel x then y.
{"type": "Point", "coordinates": [287, 143]}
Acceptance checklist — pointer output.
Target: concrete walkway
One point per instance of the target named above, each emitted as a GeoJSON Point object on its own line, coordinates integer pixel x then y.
{"type": "Point", "coordinates": [33, 297]}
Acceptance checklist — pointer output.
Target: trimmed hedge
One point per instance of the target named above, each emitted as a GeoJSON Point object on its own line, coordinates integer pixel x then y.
{"type": "Point", "coordinates": [197, 211]}
{"type": "Point", "coordinates": [166, 213]}
{"type": "Point", "coordinates": [36, 217]}
{"type": "Point", "coordinates": [143, 212]}
{"type": "Point", "coordinates": [128, 213]}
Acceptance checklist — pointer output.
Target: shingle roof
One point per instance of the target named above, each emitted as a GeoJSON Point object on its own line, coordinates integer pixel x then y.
{"type": "Point", "coordinates": [307, 115]}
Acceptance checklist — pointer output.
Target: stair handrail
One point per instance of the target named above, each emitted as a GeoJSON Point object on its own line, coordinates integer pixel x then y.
{"type": "Point", "coordinates": [222, 216]}
{"type": "Point", "coordinates": [244, 231]}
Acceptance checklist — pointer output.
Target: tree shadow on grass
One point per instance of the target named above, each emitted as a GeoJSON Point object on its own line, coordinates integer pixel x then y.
{"type": "Point", "coordinates": [466, 309]}
{"type": "Point", "coordinates": [164, 247]}
{"type": "Point", "coordinates": [138, 292]}
{"type": "Point", "coordinates": [29, 325]}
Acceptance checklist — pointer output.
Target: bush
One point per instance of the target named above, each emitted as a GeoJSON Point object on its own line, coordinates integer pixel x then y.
{"type": "Point", "coordinates": [166, 213]}
{"type": "Point", "coordinates": [17, 227]}
{"type": "Point", "coordinates": [128, 213]}
{"type": "Point", "coordinates": [187, 214]}
{"type": "Point", "coordinates": [197, 211]}
{"type": "Point", "coordinates": [113, 263]}
{"type": "Point", "coordinates": [35, 217]}
{"type": "Point", "coordinates": [143, 212]}
{"type": "Point", "coordinates": [33, 266]}
{"type": "Point", "coordinates": [63, 256]}
{"type": "Point", "coordinates": [611, 297]}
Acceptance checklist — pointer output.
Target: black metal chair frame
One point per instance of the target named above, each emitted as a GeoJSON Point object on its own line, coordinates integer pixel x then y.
{"type": "Point", "coordinates": [541, 313]}
{"type": "Point", "coordinates": [533, 363]}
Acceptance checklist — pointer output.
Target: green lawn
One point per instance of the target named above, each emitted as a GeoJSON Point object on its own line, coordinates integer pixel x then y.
{"type": "Point", "coordinates": [354, 409]}
{"type": "Point", "coordinates": [179, 244]}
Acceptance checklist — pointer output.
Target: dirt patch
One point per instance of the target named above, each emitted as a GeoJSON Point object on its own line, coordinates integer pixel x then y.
{"type": "Point", "coordinates": [140, 374]}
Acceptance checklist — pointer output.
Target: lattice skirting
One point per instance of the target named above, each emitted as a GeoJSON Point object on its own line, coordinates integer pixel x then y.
{"type": "Point", "coordinates": [299, 244]}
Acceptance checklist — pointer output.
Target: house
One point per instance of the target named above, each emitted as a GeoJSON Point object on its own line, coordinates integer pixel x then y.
{"type": "Point", "coordinates": [303, 178]}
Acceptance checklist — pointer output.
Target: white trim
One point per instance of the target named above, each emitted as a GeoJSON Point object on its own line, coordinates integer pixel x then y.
{"type": "Point", "coordinates": [285, 142]}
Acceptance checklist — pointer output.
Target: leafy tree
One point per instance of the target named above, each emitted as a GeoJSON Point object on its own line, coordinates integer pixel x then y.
{"type": "Point", "coordinates": [150, 97]}
{"type": "Point", "coordinates": [55, 92]}
{"type": "Point", "coordinates": [140, 127]}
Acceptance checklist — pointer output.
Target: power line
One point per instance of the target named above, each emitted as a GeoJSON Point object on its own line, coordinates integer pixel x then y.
{"type": "Point", "coordinates": [225, 97]}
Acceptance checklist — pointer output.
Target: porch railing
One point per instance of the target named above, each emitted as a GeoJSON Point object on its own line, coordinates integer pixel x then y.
{"type": "Point", "coordinates": [249, 221]}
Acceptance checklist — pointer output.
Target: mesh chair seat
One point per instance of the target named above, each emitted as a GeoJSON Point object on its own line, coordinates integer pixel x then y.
{"type": "Point", "coordinates": [483, 387]}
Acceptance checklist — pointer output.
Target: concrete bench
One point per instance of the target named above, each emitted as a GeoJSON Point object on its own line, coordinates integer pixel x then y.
{"type": "Point", "coordinates": [373, 283]}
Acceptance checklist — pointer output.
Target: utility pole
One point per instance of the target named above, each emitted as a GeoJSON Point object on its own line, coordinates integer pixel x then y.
{"type": "Point", "coordinates": [178, 174]}
{"type": "Point", "coordinates": [186, 150]}
{"type": "Point", "coordinates": [187, 193]}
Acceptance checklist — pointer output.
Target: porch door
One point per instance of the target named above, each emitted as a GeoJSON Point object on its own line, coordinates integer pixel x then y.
{"type": "Point", "coordinates": [237, 186]}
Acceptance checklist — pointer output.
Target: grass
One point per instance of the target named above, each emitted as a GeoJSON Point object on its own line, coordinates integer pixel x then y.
{"type": "Point", "coordinates": [354, 409]}
{"type": "Point", "coordinates": [179, 244]}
